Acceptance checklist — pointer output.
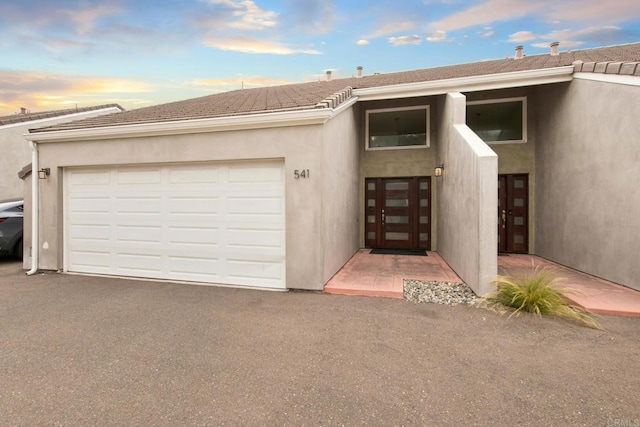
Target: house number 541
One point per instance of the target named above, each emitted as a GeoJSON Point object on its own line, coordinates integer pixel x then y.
{"type": "Point", "coordinates": [303, 173]}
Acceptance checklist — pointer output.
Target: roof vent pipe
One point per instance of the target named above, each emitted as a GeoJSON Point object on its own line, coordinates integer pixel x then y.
{"type": "Point", "coordinates": [359, 72]}
{"type": "Point", "coordinates": [328, 75]}
{"type": "Point", "coordinates": [519, 54]}
{"type": "Point", "coordinates": [554, 48]}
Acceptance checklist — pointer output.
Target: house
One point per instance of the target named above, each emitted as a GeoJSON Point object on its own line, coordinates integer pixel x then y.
{"type": "Point", "coordinates": [278, 187]}
{"type": "Point", "coordinates": [15, 150]}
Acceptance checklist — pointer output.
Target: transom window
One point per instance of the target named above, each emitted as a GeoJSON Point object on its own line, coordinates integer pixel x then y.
{"type": "Point", "coordinates": [396, 128]}
{"type": "Point", "coordinates": [499, 120]}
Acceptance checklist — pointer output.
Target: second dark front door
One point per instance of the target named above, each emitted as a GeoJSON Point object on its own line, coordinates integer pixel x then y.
{"type": "Point", "coordinates": [398, 213]}
{"type": "Point", "coordinates": [513, 210]}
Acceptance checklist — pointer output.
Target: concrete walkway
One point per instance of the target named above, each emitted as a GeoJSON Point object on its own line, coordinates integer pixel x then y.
{"type": "Point", "coordinates": [383, 275]}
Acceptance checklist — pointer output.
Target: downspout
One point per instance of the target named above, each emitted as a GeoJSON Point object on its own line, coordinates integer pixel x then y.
{"type": "Point", "coordinates": [35, 209]}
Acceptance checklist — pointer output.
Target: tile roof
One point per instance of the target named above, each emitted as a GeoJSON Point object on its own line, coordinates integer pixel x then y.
{"type": "Point", "coordinates": [29, 117]}
{"type": "Point", "coordinates": [303, 96]}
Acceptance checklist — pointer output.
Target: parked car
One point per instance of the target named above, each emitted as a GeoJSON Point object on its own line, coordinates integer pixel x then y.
{"type": "Point", "coordinates": [11, 224]}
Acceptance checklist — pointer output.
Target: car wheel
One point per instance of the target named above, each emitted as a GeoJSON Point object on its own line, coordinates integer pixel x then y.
{"type": "Point", "coordinates": [18, 250]}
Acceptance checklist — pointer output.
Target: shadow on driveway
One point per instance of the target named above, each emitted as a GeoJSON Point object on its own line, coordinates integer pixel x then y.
{"type": "Point", "coordinates": [86, 350]}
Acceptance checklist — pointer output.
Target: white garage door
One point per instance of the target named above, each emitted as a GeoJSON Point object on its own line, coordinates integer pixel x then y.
{"type": "Point", "coordinates": [215, 223]}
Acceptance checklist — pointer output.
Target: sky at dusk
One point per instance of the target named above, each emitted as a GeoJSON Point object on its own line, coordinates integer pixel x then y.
{"type": "Point", "coordinates": [57, 54]}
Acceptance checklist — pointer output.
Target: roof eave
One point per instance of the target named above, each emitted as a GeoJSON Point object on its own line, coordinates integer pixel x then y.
{"type": "Point", "coordinates": [74, 116]}
{"type": "Point", "coordinates": [467, 84]}
{"type": "Point", "coordinates": [313, 116]}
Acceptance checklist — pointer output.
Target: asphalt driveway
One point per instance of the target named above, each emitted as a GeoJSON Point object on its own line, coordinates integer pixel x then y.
{"type": "Point", "coordinates": [98, 351]}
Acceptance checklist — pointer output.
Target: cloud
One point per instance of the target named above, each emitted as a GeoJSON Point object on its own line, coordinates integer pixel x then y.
{"type": "Point", "coordinates": [573, 38]}
{"type": "Point", "coordinates": [241, 15]}
{"type": "Point", "coordinates": [78, 18]}
{"type": "Point", "coordinates": [237, 82]}
{"type": "Point", "coordinates": [362, 42]}
{"type": "Point", "coordinates": [567, 44]}
{"type": "Point", "coordinates": [576, 11]}
{"type": "Point", "coordinates": [311, 16]}
{"type": "Point", "coordinates": [50, 91]}
{"type": "Point", "coordinates": [253, 45]}
{"type": "Point", "coordinates": [486, 33]}
{"type": "Point", "coordinates": [438, 36]}
{"type": "Point", "coordinates": [393, 27]}
{"type": "Point", "coordinates": [84, 18]}
{"type": "Point", "coordinates": [485, 13]}
{"type": "Point", "coordinates": [402, 40]}
{"type": "Point", "coordinates": [522, 36]}
{"type": "Point", "coordinates": [590, 11]}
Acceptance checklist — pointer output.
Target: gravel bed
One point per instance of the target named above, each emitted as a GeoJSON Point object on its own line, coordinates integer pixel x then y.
{"type": "Point", "coordinates": [448, 293]}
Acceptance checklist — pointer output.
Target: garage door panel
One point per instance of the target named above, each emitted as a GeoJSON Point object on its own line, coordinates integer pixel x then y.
{"type": "Point", "coordinates": [194, 175]}
{"type": "Point", "coordinates": [92, 261]}
{"type": "Point", "coordinates": [90, 205]}
{"type": "Point", "coordinates": [254, 205]}
{"type": "Point", "coordinates": [252, 238]}
{"type": "Point", "coordinates": [192, 236]}
{"type": "Point", "coordinates": [139, 177]}
{"type": "Point", "coordinates": [194, 266]}
{"type": "Point", "coordinates": [139, 234]}
{"type": "Point", "coordinates": [221, 223]}
{"type": "Point", "coordinates": [91, 178]}
{"type": "Point", "coordinates": [193, 205]}
{"type": "Point", "coordinates": [138, 262]}
{"type": "Point", "coordinates": [139, 205]}
{"type": "Point", "coordinates": [251, 174]}
{"type": "Point", "coordinates": [91, 232]}
{"type": "Point", "coordinates": [251, 269]}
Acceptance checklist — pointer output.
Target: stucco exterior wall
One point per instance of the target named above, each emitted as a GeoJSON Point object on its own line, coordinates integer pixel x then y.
{"type": "Point", "coordinates": [467, 194]}
{"type": "Point", "coordinates": [300, 147]}
{"type": "Point", "coordinates": [341, 221]}
{"type": "Point", "coordinates": [588, 160]}
{"type": "Point", "coordinates": [398, 163]}
{"type": "Point", "coordinates": [16, 152]}
{"type": "Point", "coordinates": [518, 158]}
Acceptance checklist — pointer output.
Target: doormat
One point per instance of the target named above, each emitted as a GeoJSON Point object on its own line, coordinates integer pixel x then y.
{"type": "Point", "coordinates": [503, 254]}
{"type": "Point", "coordinates": [418, 252]}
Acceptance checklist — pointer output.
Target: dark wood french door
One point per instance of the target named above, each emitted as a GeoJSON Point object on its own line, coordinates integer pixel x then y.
{"type": "Point", "coordinates": [398, 213]}
{"type": "Point", "coordinates": [513, 212]}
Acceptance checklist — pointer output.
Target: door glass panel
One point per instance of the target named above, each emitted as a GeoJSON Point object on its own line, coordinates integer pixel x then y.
{"type": "Point", "coordinates": [397, 219]}
{"type": "Point", "coordinates": [518, 202]}
{"type": "Point", "coordinates": [397, 202]}
{"type": "Point", "coordinates": [397, 186]}
{"type": "Point", "coordinates": [371, 186]}
{"type": "Point", "coordinates": [424, 236]}
{"type": "Point", "coordinates": [518, 239]}
{"type": "Point", "coordinates": [424, 185]}
{"type": "Point", "coordinates": [424, 220]}
{"type": "Point", "coordinates": [371, 202]}
{"type": "Point", "coordinates": [396, 236]}
{"type": "Point", "coordinates": [371, 235]}
{"type": "Point", "coordinates": [424, 203]}
{"type": "Point", "coordinates": [371, 219]}
{"type": "Point", "coordinates": [518, 183]}
{"type": "Point", "coordinates": [518, 220]}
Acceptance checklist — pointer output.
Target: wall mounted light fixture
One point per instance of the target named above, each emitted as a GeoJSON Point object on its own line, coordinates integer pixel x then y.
{"type": "Point", "coordinates": [438, 170]}
{"type": "Point", "coordinates": [44, 173]}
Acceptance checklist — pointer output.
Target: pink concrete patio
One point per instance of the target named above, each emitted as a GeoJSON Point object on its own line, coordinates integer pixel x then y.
{"type": "Point", "coordinates": [383, 275]}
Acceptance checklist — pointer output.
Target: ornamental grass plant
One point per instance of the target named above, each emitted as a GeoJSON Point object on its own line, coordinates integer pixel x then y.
{"type": "Point", "coordinates": [538, 293]}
